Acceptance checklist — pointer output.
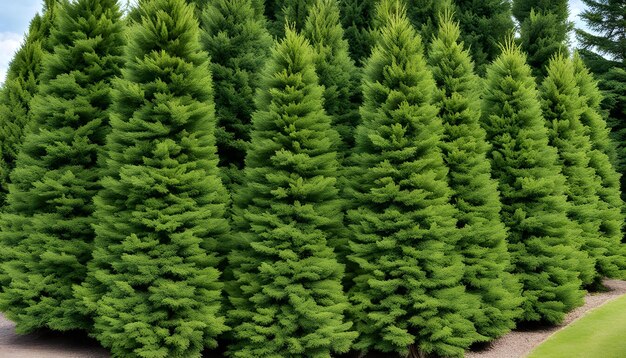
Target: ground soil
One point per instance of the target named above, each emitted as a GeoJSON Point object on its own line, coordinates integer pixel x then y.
{"type": "Point", "coordinates": [46, 344]}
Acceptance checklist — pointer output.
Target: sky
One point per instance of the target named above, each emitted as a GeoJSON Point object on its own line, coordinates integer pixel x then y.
{"type": "Point", "coordinates": [15, 16]}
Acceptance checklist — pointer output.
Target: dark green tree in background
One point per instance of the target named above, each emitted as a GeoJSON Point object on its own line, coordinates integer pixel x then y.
{"type": "Point", "coordinates": [20, 86]}
{"type": "Point", "coordinates": [289, 300]}
{"type": "Point", "coordinates": [544, 30]}
{"type": "Point", "coordinates": [562, 108]}
{"type": "Point", "coordinates": [541, 237]}
{"type": "Point", "coordinates": [475, 194]}
{"type": "Point", "coordinates": [407, 291]}
{"type": "Point", "coordinates": [485, 24]}
{"type": "Point", "coordinates": [153, 287]}
{"type": "Point", "coordinates": [238, 43]}
{"type": "Point", "coordinates": [335, 69]}
{"type": "Point", "coordinates": [604, 52]}
{"type": "Point", "coordinates": [49, 214]}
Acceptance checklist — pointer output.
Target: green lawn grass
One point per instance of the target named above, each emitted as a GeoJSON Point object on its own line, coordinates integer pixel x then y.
{"type": "Point", "coordinates": [599, 334]}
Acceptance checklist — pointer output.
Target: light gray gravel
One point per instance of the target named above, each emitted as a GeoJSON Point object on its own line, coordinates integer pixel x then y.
{"type": "Point", "coordinates": [520, 343]}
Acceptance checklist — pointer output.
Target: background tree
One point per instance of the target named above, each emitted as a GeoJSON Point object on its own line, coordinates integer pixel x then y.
{"type": "Point", "coordinates": [153, 287]}
{"type": "Point", "coordinates": [57, 172]}
{"type": "Point", "coordinates": [485, 24]}
{"type": "Point", "coordinates": [407, 290]}
{"type": "Point", "coordinates": [20, 86]}
{"type": "Point", "coordinates": [544, 31]}
{"type": "Point", "coordinates": [562, 107]}
{"type": "Point", "coordinates": [238, 43]}
{"type": "Point", "coordinates": [603, 50]}
{"type": "Point", "coordinates": [288, 280]}
{"type": "Point", "coordinates": [475, 194]}
{"type": "Point", "coordinates": [335, 69]}
{"type": "Point", "coordinates": [534, 206]}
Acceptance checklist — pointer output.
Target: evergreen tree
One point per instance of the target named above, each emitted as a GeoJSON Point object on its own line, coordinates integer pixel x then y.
{"type": "Point", "coordinates": [49, 214]}
{"type": "Point", "coordinates": [287, 13]}
{"type": "Point", "coordinates": [604, 52]}
{"type": "Point", "coordinates": [562, 108]}
{"type": "Point", "coordinates": [289, 300]}
{"type": "Point", "coordinates": [356, 16]}
{"type": "Point", "coordinates": [153, 287]}
{"type": "Point", "coordinates": [534, 206]}
{"type": "Point", "coordinates": [485, 24]}
{"type": "Point", "coordinates": [544, 30]}
{"type": "Point", "coordinates": [407, 291]}
{"type": "Point", "coordinates": [335, 70]}
{"type": "Point", "coordinates": [600, 154]}
{"type": "Point", "coordinates": [522, 9]}
{"type": "Point", "coordinates": [591, 117]}
{"type": "Point", "coordinates": [238, 43]}
{"type": "Point", "coordinates": [20, 87]}
{"type": "Point", "coordinates": [475, 194]}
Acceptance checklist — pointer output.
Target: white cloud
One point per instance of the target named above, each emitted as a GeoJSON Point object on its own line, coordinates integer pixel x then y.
{"type": "Point", "coordinates": [9, 43]}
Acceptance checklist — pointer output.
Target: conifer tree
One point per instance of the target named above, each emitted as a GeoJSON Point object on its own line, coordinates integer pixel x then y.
{"type": "Point", "coordinates": [19, 88]}
{"type": "Point", "coordinates": [544, 29]}
{"type": "Point", "coordinates": [335, 69]}
{"type": "Point", "coordinates": [485, 24]}
{"type": "Point", "coordinates": [534, 207]}
{"type": "Point", "coordinates": [475, 194]}
{"type": "Point", "coordinates": [289, 294]}
{"type": "Point", "coordinates": [287, 13]}
{"type": "Point", "coordinates": [562, 107]}
{"type": "Point", "coordinates": [238, 43]}
{"type": "Point", "coordinates": [153, 287]}
{"type": "Point", "coordinates": [50, 205]}
{"type": "Point", "coordinates": [407, 291]}
{"type": "Point", "coordinates": [604, 51]}
{"type": "Point", "coordinates": [356, 19]}
{"type": "Point", "coordinates": [596, 125]}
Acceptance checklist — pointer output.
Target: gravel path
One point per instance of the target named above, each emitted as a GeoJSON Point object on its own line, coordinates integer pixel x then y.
{"type": "Point", "coordinates": [47, 344]}
{"type": "Point", "coordinates": [521, 342]}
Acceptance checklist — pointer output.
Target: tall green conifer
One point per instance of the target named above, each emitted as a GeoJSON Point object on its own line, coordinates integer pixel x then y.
{"type": "Point", "coordinates": [49, 214]}
{"type": "Point", "coordinates": [238, 43]}
{"type": "Point", "coordinates": [335, 69]}
{"type": "Point", "coordinates": [475, 194]}
{"type": "Point", "coordinates": [407, 291]}
{"type": "Point", "coordinates": [534, 206]}
{"type": "Point", "coordinates": [289, 299]}
{"type": "Point", "coordinates": [153, 287]}
{"type": "Point", "coordinates": [544, 30]}
{"type": "Point", "coordinates": [20, 86]}
{"type": "Point", "coordinates": [485, 24]}
{"type": "Point", "coordinates": [563, 107]}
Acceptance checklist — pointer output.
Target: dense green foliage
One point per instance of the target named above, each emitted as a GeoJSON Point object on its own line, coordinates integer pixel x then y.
{"type": "Point", "coordinates": [407, 287]}
{"type": "Point", "coordinates": [604, 52]}
{"type": "Point", "coordinates": [544, 29]}
{"type": "Point", "coordinates": [19, 88]}
{"type": "Point", "coordinates": [335, 69]}
{"type": "Point", "coordinates": [562, 107]}
{"type": "Point", "coordinates": [542, 36]}
{"type": "Point", "coordinates": [534, 205]}
{"type": "Point", "coordinates": [48, 224]}
{"type": "Point", "coordinates": [236, 39]}
{"type": "Point", "coordinates": [153, 289]}
{"type": "Point", "coordinates": [386, 199]}
{"type": "Point", "coordinates": [289, 299]}
{"type": "Point", "coordinates": [475, 194]}
{"type": "Point", "coordinates": [485, 24]}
